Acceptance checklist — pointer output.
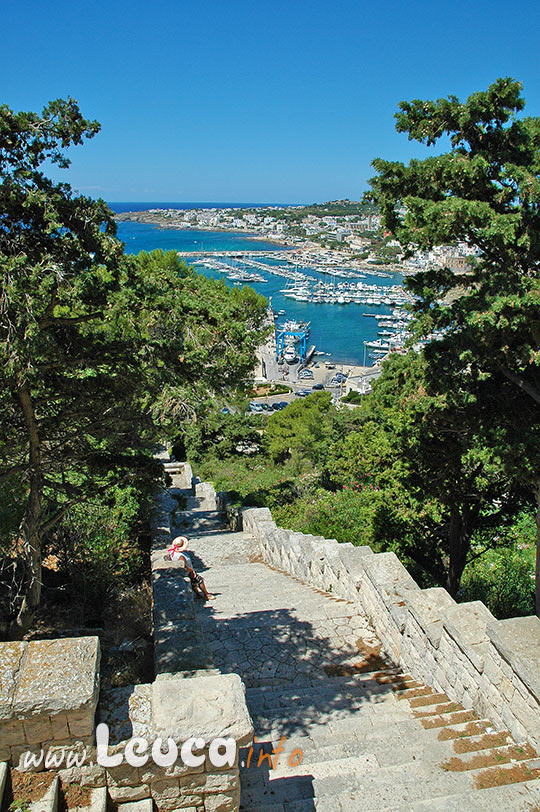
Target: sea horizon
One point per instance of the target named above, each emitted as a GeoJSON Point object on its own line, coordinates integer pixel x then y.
{"type": "Point", "coordinates": [120, 207]}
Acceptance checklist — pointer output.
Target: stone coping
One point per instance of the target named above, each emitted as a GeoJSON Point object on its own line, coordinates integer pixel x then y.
{"type": "Point", "coordinates": [48, 676]}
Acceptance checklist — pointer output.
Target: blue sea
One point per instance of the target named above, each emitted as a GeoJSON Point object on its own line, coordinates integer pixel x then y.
{"type": "Point", "coordinates": [338, 330]}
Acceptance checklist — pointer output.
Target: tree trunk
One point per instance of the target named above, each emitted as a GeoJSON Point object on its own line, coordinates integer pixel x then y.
{"type": "Point", "coordinates": [537, 572]}
{"type": "Point", "coordinates": [458, 546]}
{"type": "Point", "coordinates": [31, 533]}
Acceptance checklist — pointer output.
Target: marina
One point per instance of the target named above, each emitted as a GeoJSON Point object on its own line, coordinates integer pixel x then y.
{"type": "Point", "coordinates": [303, 287]}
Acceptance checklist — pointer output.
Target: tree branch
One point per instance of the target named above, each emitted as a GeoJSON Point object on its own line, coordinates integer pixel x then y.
{"type": "Point", "coordinates": [523, 385]}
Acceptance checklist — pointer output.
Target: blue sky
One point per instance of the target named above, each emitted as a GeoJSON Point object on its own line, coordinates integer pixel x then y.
{"type": "Point", "coordinates": [237, 100]}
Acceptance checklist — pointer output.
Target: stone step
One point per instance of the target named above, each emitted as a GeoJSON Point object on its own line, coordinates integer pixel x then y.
{"type": "Point", "coordinates": [340, 721]}
{"type": "Point", "coordinates": [428, 699]}
{"type": "Point", "coordinates": [447, 718]}
{"type": "Point", "coordinates": [490, 757]}
{"type": "Point", "coordinates": [315, 692]}
{"type": "Point", "coordinates": [391, 749]}
{"type": "Point", "coordinates": [469, 744]}
{"type": "Point", "coordinates": [324, 703]}
{"type": "Point", "coordinates": [510, 798]}
{"type": "Point", "coordinates": [437, 708]}
{"type": "Point", "coordinates": [458, 730]}
{"type": "Point", "coordinates": [326, 769]}
{"type": "Point", "coordinates": [413, 691]}
{"type": "Point", "coordinates": [372, 789]}
{"type": "Point", "coordinates": [49, 802]}
{"type": "Point", "coordinates": [308, 686]}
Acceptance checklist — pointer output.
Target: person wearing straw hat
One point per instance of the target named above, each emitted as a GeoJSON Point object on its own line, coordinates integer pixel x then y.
{"type": "Point", "coordinates": [176, 552]}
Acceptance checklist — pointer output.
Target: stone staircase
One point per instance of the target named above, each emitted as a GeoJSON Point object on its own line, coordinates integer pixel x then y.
{"type": "Point", "coordinates": [368, 737]}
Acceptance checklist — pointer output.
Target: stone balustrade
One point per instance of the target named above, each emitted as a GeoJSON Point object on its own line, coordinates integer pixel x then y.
{"type": "Point", "coordinates": [492, 666]}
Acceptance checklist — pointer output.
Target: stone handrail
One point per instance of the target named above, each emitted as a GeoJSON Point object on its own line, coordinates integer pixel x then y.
{"type": "Point", "coordinates": [489, 665]}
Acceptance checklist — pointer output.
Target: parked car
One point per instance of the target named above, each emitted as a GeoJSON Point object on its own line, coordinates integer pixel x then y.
{"type": "Point", "coordinates": [317, 386]}
{"type": "Point", "coordinates": [255, 407]}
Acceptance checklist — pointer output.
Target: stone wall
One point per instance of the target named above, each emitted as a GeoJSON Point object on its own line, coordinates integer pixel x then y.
{"type": "Point", "coordinates": [179, 645]}
{"type": "Point", "coordinates": [180, 708]}
{"type": "Point", "coordinates": [48, 694]}
{"type": "Point", "coordinates": [492, 666]}
{"type": "Point", "coordinates": [189, 697]}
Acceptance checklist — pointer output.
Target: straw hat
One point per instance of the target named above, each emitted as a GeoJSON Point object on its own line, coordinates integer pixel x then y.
{"type": "Point", "coordinates": [180, 542]}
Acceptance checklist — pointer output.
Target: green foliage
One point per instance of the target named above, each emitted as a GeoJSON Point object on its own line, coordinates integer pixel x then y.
{"type": "Point", "coordinates": [503, 578]}
{"type": "Point", "coordinates": [484, 191]}
{"type": "Point", "coordinates": [19, 806]}
{"type": "Point", "coordinates": [347, 515]}
{"type": "Point", "coordinates": [256, 482]}
{"type": "Point", "coordinates": [337, 208]}
{"type": "Point", "coordinates": [97, 550]}
{"type": "Point", "coordinates": [300, 428]}
{"type": "Point", "coordinates": [352, 396]}
{"type": "Point", "coordinates": [101, 353]}
{"type": "Point", "coordinates": [221, 435]}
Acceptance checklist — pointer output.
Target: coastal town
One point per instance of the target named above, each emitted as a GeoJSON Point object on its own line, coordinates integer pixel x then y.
{"type": "Point", "coordinates": [336, 231]}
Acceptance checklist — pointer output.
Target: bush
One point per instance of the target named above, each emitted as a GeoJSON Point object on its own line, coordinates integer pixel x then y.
{"type": "Point", "coordinates": [345, 515]}
{"type": "Point", "coordinates": [96, 552]}
{"type": "Point", "coordinates": [352, 396]}
{"type": "Point", "coordinates": [255, 482]}
{"type": "Point", "coordinates": [503, 581]}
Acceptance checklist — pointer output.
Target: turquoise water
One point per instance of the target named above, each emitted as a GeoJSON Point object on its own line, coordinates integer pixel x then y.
{"type": "Point", "coordinates": [339, 330]}
{"type": "Point", "coordinates": [144, 237]}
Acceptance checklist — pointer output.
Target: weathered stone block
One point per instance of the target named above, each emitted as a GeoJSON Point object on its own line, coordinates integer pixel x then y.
{"type": "Point", "coordinates": [11, 655]}
{"type": "Point", "coordinates": [12, 732]}
{"type": "Point", "coordinates": [137, 806]}
{"type": "Point", "coordinates": [428, 607]}
{"type": "Point", "coordinates": [38, 730]}
{"type": "Point", "coordinates": [212, 706]}
{"type": "Point", "coordinates": [225, 782]}
{"type": "Point", "coordinates": [222, 803]}
{"type": "Point", "coordinates": [58, 675]}
{"type": "Point", "coordinates": [122, 795]}
{"type": "Point", "coordinates": [518, 641]}
{"type": "Point", "coordinates": [18, 760]}
{"type": "Point", "coordinates": [123, 776]}
{"type": "Point", "coordinates": [87, 776]}
{"type": "Point", "coordinates": [59, 726]}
